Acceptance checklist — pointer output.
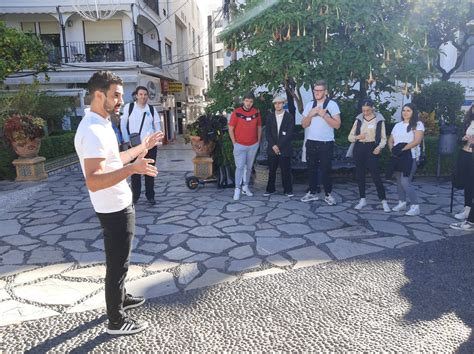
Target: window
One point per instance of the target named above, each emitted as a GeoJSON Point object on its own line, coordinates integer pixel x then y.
{"type": "Point", "coordinates": [194, 40]}
{"type": "Point", "coordinates": [199, 45]}
{"type": "Point", "coordinates": [169, 56]}
{"type": "Point", "coordinates": [220, 54]}
{"type": "Point", "coordinates": [28, 27]}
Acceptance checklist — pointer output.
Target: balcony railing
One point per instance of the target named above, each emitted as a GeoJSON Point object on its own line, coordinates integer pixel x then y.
{"type": "Point", "coordinates": [149, 55]}
{"type": "Point", "coordinates": [110, 51]}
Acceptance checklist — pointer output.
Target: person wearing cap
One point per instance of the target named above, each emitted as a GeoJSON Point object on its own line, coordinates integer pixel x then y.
{"type": "Point", "coordinates": [279, 133]}
{"type": "Point", "coordinates": [245, 131]}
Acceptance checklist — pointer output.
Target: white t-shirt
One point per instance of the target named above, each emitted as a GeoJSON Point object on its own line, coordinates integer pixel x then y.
{"type": "Point", "coordinates": [151, 123]}
{"type": "Point", "coordinates": [95, 138]}
{"type": "Point", "coordinates": [279, 119]}
{"type": "Point", "coordinates": [400, 135]}
{"type": "Point", "coordinates": [320, 130]}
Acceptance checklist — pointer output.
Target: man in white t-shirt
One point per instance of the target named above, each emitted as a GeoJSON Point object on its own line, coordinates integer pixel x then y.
{"type": "Point", "coordinates": [139, 117]}
{"type": "Point", "coordinates": [320, 117]}
{"type": "Point", "coordinates": [105, 170]}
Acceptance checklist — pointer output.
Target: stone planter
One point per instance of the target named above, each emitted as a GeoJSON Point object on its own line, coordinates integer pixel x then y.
{"type": "Point", "coordinates": [27, 150]}
{"type": "Point", "coordinates": [448, 139]}
{"type": "Point", "coordinates": [200, 148]}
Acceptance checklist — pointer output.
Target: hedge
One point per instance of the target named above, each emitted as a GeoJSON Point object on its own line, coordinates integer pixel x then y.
{"type": "Point", "coordinates": [57, 145]}
{"type": "Point", "coordinates": [429, 169]}
{"type": "Point", "coordinates": [51, 147]}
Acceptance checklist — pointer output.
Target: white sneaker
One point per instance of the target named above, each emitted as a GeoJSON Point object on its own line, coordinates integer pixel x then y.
{"type": "Point", "coordinates": [463, 215]}
{"type": "Point", "coordinates": [309, 197]}
{"type": "Point", "coordinates": [414, 210]}
{"type": "Point", "coordinates": [330, 200]}
{"type": "Point", "coordinates": [362, 203]}
{"type": "Point", "coordinates": [463, 226]}
{"type": "Point", "coordinates": [400, 206]}
{"type": "Point", "coordinates": [246, 191]}
{"type": "Point", "coordinates": [385, 206]}
{"type": "Point", "coordinates": [237, 194]}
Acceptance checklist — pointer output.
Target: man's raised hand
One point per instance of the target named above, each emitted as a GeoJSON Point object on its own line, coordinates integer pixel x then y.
{"type": "Point", "coordinates": [152, 140]}
{"type": "Point", "coordinates": [143, 166]}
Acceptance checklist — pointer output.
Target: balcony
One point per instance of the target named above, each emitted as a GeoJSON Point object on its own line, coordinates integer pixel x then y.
{"type": "Point", "coordinates": [111, 51]}
{"type": "Point", "coordinates": [150, 55]}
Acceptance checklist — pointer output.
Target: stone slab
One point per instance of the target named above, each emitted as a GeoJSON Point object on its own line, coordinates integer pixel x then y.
{"type": "Point", "coordinates": [13, 311]}
{"type": "Point", "coordinates": [308, 256]}
{"type": "Point", "coordinates": [55, 291]}
{"type": "Point", "coordinates": [209, 245]}
{"type": "Point", "coordinates": [392, 241]}
{"type": "Point", "coordinates": [209, 278]}
{"type": "Point", "coordinates": [244, 264]}
{"type": "Point", "coordinates": [154, 285]}
{"type": "Point", "coordinates": [268, 246]}
{"type": "Point", "coordinates": [241, 252]}
{"type": "Point", "coordinates": [43, 272]}
{"type": "Point", "coordinates": [343, 249]}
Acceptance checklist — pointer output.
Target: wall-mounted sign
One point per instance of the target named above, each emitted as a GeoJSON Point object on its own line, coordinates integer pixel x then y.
{"type": "Point", "coordinates": [175, 87]}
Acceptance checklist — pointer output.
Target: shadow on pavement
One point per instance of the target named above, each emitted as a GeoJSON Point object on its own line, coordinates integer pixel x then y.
{"type": "Point", "coordinates": [51, 343]}
{"type": "Point", "coordinates": [441, 281]}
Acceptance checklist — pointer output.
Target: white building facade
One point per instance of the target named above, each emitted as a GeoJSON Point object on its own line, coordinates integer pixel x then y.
{"type": "Point", "coordinates": [152, 43]}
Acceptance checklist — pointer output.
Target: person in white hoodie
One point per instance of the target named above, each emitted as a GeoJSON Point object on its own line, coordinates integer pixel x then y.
{"type": "Point", "coordinates": [368, 137]}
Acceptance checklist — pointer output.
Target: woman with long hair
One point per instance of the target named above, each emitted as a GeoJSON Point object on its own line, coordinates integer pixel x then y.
{"type": "Point", "coordinates": [369, 138]}
{"type": "Point", "coordinates": [465, 162]}
{"type": "Point", "coordinates": [404, 143]}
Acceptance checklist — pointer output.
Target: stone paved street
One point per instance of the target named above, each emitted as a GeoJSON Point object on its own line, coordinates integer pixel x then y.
{"type": "Point", "coordinates": [52, 259]}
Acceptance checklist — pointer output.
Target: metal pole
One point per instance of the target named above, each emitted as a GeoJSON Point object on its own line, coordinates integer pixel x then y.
{"type": "Point", "coordinates": [63, 32]}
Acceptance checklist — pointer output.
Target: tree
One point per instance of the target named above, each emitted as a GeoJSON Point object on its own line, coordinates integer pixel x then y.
{"type": "Point", "coordinates": [20, 51]}
{"type": "Point", "coordinates": [445, 21]}
{"type": "Point", "coordinates": [349, 43]}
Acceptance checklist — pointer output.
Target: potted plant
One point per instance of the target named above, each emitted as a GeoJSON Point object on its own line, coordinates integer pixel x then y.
{"type": "Point", "coordinates": [24, 133]}
{"type": "Point", "coordinates": [445, 99]}
{"type": "Point", "coordinates": [203, 133]}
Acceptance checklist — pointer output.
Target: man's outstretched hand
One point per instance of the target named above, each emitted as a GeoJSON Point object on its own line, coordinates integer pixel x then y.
{"type": "Point", "coordinates": [143, 166]}
{"type": "Point", "coordinates": [152, 140]}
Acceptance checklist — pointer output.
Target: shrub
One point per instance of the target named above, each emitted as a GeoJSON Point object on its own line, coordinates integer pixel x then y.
{"type": "Point", "coordinates": [21, 128]}
{"type": "Point", "coordinates": [57, 146]}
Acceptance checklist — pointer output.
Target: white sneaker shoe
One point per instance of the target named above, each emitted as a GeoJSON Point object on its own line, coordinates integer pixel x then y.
{"type": "Point", "coordinates": [246, 191]}
{"type": "Point", "coordinates": [309, 197]}
{"type": "Point", "coordinates": [414, 210]}
{"type": "Point", "coordinates": [400, 206]}
{"type": "Point", "coordinates": [362, 203]}
{"type": "Point", "coordinates": [237, 194]}
{"type": "Point", "coordinates": [463, 215]}
{"type": "Point", "coordinates": [385, 206]}
{"type": "Point", "coordinates": [330, 200]}
{"type": "Point", "coordinates": [463, 226]}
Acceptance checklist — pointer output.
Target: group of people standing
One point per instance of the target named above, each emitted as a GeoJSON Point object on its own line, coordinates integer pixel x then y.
{"type": "Point", "coordinates": [321, 117]}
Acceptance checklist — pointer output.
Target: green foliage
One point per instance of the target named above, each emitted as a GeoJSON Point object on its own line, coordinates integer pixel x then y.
{"type": "Point", "coordinates": [225, 155]}
{"type": "Point", "coordinates": [20, 51]}
{"type": "Point", "coordinates": [29, 100]}
{"type": "Point", "coordinates": [445, 98]}
{"type": "Point", "coordinates": [7, 170]}
{"type": "Point", "coordinates": [346, 42]}
{"type": "Point", "coordinates": [22, 128]}
{"type": "Point", "coordinates": [57, 145]}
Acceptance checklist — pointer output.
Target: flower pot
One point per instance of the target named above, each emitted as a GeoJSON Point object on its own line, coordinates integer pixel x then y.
{"type": "Point", "coordinates": [28, 149]}
{"type": "Point", "coordinates": [201, 148]}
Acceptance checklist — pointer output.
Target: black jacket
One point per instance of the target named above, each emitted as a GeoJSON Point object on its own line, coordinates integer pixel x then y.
{"type": "Point", "coordinates": [282, 139]}
{"type": "Point", "coordinates": [401, 161]}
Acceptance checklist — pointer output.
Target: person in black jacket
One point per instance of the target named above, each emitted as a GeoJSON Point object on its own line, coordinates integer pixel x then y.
{"type": "Point", "coordinates": [279, 133]}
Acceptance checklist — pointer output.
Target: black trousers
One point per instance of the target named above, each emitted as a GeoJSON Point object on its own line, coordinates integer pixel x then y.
{"type": "Point", "coordinates": [285, 166]}
{"type": "Point", "coordinates": [149, 181]}
{"type": "Point", "coordinates": [119, 229]}
{"type": "Point", "coordinates": [365, 159]}
{"type": "Point", "coordinates": [466, 161]}
{"type": "Point", "coordinates": [319, 158]}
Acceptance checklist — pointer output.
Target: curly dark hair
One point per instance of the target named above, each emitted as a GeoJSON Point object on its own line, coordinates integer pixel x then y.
{"type": "Point", "coordinates": [101, 81]}
{"type": "Point", "coordinates": [468, 117]}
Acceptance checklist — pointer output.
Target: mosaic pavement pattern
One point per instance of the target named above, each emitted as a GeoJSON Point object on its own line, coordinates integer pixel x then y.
{"type": "Point", "coordinates": [51, 248]}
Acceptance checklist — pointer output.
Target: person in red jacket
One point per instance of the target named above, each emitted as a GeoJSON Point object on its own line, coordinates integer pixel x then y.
{"type": "Point", "coordinates": [245, 130]}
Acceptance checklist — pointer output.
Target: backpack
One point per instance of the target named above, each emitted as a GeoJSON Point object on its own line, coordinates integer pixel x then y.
{"type": "Point", "coordinates": [132, 104]}
{"type": "Point", "coordinates": [325, 104]}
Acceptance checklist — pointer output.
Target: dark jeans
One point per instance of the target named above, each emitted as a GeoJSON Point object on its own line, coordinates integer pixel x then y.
{"type": "Point", "coordinates": [466, 161]}
{"type": "Point", "coordinates": [319, 157]}
{"type": "Point", "coordinates": [149, 181]}
{"type": "Point", "coordinates": [364, 159]}
{"type": "Point", "coordinates": [285, 166]}
{"type": "Point", "coordinates": [119, 229]}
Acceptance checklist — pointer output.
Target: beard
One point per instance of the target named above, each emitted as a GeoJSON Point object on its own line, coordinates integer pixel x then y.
{"type": "Point", "coordinates": [111, 109]}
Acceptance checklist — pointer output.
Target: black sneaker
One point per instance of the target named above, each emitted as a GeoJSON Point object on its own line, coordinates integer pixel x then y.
{"type": "Point", "coordinates": [133, 301]}
{"type": "Point", "coordinates": [152, 201]}
{"type": "Point", "coordinates": [290, 194]}
{"type": "Point", "coordinates": [267, 194]}
{"type": "Point", "coordinates": [127, 326]}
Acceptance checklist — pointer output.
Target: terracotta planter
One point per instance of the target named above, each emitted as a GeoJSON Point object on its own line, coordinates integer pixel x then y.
{"type": "Point", "coordinates": [27, 150]}
{"type": "Point", "coordinates": [200, 148]}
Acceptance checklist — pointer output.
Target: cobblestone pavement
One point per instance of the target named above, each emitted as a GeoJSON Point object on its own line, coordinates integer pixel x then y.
{"type": "Point", "coordinates": [414, 299]}
{"type": "Point", "coordinates": [51, 249]}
